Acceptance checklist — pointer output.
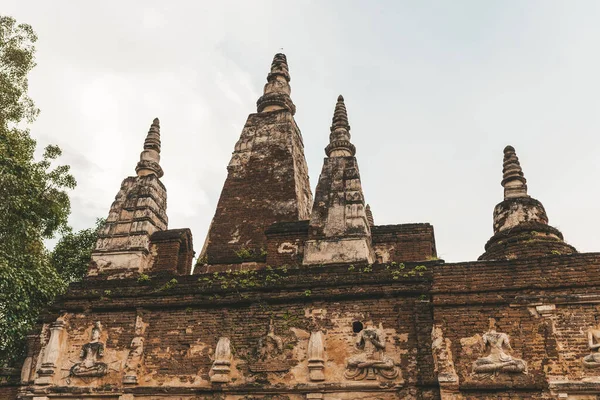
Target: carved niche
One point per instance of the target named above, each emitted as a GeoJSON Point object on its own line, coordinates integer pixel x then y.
{"type": "Point", "coordinates": [51, 352]}
{"type": "Point", "coordinates": [271, 354]}
{"type": "Point", "coordinates": [136, 352]}
{"type": "Point", "coordinates": [91, 352]}
{"type": "Point", "coordinates": [219, 372]}
{"type": "Point", "coordinates": [498, 360]}
{"type": "Point", "coordinates": [316, 356]}
{"type": "Point", "coordinates": [371, 360]}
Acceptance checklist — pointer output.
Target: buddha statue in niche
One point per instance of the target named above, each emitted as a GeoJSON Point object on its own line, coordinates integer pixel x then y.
{"type": "Point", "coordinates": [90, 353]}
{"type": "Point", "coordinates": [498, 360]}
{"type": "Point", "coordinates": [371, 361]}
{"type": "Point", "coordinates": [592, 360]}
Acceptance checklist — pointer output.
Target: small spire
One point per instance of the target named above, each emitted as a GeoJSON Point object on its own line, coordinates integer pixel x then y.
{"type": "Point", "coordinates": [370, 219]}
{"type": "Point", "coordinates": [279, 66]}
{"type": "Point", "coordinates": [150, 158]}
{"type": "Point", "coordinates": [339, 138]}
{"type": "Point", "coordinates": [276, 95]}
{"type": "Point", "coordinates": [514, 182]}
{"type": "Point", "coordinates": [340, 117]}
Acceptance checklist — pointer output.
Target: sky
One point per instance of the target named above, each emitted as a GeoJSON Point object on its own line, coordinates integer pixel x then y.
{"type": "Point", "coordinates": [434, 89]}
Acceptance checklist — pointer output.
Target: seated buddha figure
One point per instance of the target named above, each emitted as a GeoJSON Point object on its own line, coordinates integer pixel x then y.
{"type": "Point", "coordinates": [498, 360]}
{"type": "Point", "coordinates": [90, 353]}
{"type": "Point", "coordinates": [371, 361]}
{"type": "Point", "coordinates": [592, 360]}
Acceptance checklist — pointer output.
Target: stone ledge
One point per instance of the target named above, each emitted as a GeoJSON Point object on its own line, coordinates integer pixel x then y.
{"type": "Point", "coordinates": [575, 386]}
{"type": "Point", "coordinates": [298, 227]}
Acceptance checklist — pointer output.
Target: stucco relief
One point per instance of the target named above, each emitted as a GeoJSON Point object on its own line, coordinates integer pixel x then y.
{"type": "Point", "coordinates": [91, 353]}
{"type": "Point", "coordinates": [316, 356]}
{"type": "Point", "coordinates": [371, 360]}
{"type": "Point", "coordinates": [592, 360]}
{"type": "Point", "coordinates": [498, 359]}
{"type": "Point", "coordinates": [136, 352]}
{"type": "Point", "coordinates": [271, 354]}
{"type": "Point", "coordinates": [221, 367]}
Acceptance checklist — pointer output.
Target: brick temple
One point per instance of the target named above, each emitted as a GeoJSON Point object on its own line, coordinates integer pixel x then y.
{"type": "Point", "coordinates": [295, 296]}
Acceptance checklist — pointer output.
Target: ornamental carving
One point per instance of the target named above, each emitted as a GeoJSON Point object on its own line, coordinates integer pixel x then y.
{"type": "Point", "coordinates": [271, 355]}
{"type": "Point", "coordinates": [498, 360]}
{"type": "Point", "coordinates": [219, 372]}
{"type": "Point", "coordinates": [371, 360]}
{"type": "Point", "coordinates": [136, 353]}
{"type": "Point", "coordinates": [90, 354]}
{"type": "Point", "coordinates": [316, 356]}
{"type": "Point", "coordinates": [593, 359]}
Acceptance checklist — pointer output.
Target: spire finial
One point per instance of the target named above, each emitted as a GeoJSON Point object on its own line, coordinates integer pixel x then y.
{"type": "Point", "coordinates": [279, 66]}
{"type": "Point", "coordinates": [340, 117]}
{"type": "Point", "coordinates": [514, 182]}
{"type": "Point", "coordinates": [277, 90]}
{"type": "Point", "coordinates": [339, 138]}
{"type": "Point", "coordinates": [150, 158]}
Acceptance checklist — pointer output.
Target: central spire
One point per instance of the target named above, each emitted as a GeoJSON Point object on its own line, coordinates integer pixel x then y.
{"type": "Point", "coordinates": [267, 181]}
{"type": "Point", "coordinates": [339, 138]}
{"type": "Point", "coordinates": [277, 89]}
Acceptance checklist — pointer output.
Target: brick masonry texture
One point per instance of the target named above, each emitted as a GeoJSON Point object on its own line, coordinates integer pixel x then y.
{"type": "Point", "coordinates": [256, 193]}
{"type": "Point", "coordinates": [185, 319]}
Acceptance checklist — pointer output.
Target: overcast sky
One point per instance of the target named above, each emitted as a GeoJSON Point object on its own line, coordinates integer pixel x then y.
{"type": "Point", "coordinates": [434, 91]}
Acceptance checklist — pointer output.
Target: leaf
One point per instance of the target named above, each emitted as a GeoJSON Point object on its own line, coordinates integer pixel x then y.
{"type": "Point", "coordinates": [34, 204]}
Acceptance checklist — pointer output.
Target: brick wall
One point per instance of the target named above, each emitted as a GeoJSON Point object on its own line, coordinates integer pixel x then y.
{"type": "Point", "coordinates": [172, 251]}
{"type": "Point", "coordinates": [404, 242]}
{"type": "Point", "coordinates": [185, 320]}
{"type": "Point", "coordinates": [257, 193]}
{"type": "Point", "coordinates": [544, 305]}
{"type": "Point", "coordinates": [285, 242]}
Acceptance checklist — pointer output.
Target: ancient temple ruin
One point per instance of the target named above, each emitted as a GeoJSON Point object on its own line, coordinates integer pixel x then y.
{"type": "Point", "coordinates": [294, 299]}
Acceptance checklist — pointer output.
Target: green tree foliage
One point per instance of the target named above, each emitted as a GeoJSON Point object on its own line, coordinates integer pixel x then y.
{"type": "Point", "coordinates": [71, 255]}
{"type": "Point", "coordinates": [34, 204]}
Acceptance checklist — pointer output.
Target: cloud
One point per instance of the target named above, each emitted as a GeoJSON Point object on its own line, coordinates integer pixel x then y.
{"type": "Point", "coordinates": [434, 92]}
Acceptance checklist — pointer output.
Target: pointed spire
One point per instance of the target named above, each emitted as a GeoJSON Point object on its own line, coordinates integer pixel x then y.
{"type": "Point", "coordinates": [514, 182]}
{"type": "Point", "coordinates": [139, 210]}
{"type": "Point", "coordinates": [521, 227]}
{"type": "Point", "coordinates": [150, 158]}
{"type": "Point", "coordinates": [339, 230]}
{"type": "Point", "coordinates": [277, 90]}
{"type": "Point", "coordinates": [340, 117]}
{"type": "Point", "coordinates": [279, 66]}
{"type": "Point", "coordinates": [267, 166]}
{"type": "Point", "coordinates": [370, 219]}
{"type": "Point", "coordinates": [339, 138]}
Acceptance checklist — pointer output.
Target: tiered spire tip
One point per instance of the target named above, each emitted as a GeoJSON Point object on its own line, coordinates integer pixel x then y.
{"type": "Point", "coordinates": [276, 95]}
{"type": "Point", "coordinates": [279, 66]}
{"type": "Point", "coordinates": [340, 116]}
{"type": "Point", "coordinates": [339, 138]}
{"type": "Point", "coordinates": [150, 157]}
{"type": "Point", "coordinates": [513, 180]}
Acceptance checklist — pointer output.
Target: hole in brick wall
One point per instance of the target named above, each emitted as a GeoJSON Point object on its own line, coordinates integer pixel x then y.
{"type": "Point", "coordinates": [357, 326]}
